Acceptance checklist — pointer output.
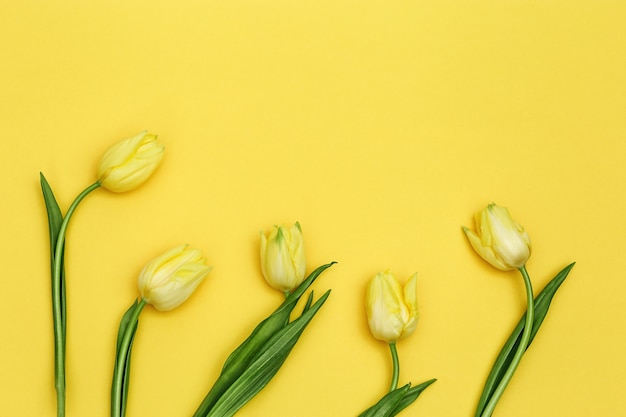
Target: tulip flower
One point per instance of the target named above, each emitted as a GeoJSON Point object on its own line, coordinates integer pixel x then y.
{"type": "Point", "coordinates": [129, 163]}
{"type": "Point", "coordinates": [169, 279]}
{"type": "Point", "coordinates": [499, 240]}
{"type": "Point", "coordinates": [503, 243]}
{"type": "Point", "coordinates": [165, 283]}
{"type": "Point", "coordinates": [282, 257]}
{"type": "Point", "coordinates": [391, 310]}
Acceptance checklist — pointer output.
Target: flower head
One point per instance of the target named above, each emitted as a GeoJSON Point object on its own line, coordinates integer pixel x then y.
{"type": "Point", "coordinates": [128, 164]}
{"type": "Point", "coordinates": [391, 310]}
{"type": "Point", "coordinates": [498, 239]}
{"type": "Point", "coordinates": [282, 257]}
{"type": "Point", "coordinates": [169, 279]}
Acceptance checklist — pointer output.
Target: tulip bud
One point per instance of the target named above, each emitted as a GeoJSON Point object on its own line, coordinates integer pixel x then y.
{"type": "Point", "coordinates": [282, 257]}
{"type": "Point", "coordinates": [391, 311]}
{"type": "Point", "coordinates": [169, 279]}
{"type": "Point", "coordinates": [128, 164]}
{"type": "Point", "coordinates": [499, 240]}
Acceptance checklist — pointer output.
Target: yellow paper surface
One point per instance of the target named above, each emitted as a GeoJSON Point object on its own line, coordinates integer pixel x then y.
{"type": "Point", "coordinates": [382, 127]}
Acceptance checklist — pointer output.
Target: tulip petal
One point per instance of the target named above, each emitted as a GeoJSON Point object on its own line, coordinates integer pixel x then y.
{"type": "Point", "coordinates": [511, 246]}
{"type": "Point", "coordinates": [410, 298]}
{"type": "Point", "coordinates": [485, 251]}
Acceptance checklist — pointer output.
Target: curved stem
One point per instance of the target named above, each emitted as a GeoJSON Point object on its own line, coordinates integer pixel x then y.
{"type": "Point", "coordinates": [120, 376]}
{"type": "Point", "coordinates": [528, 325]}
{"type": "Point", "coordinates": [396, 367]}
{"type": "Point", "coordinates": [58, 303]}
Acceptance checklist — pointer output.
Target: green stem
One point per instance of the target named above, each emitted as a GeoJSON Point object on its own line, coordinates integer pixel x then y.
{"type": "Point", "coordinates": [58, 304]}
{"type": "Point", "coordinates": [119, 373]}
{"type": "Point", "coordinates": [528, 325]}
{"type": "Point", "coordinates": [396, 367]}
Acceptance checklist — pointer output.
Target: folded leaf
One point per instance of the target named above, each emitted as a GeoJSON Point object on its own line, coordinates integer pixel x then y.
{"type": "Point", "coordinates": [397, 400]}
{"type": "Point", "coordinates": [55, 219]}
{"type": "Point", "coordinates": [542, 304]}
{"type": "Point", "coordinates": [240, 358]}
{"type": "Point", "coordinates": [121, 369]}
{"type": "Point", "coordinates": [411, 395]}
{"type": "Point", "coordinates": [264, 364]}
{"type": "Point", "coordinates": [385, 406]}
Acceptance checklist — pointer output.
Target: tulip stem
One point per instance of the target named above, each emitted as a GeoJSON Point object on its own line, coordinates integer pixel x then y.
{"type": "Point", "coordinates": [396, 367]}
{"type": "Point", "coordinates": [491, 405]}
{"type": "Point", "coordinates": [119, 387]}
{"type": "Point", "coordinates": [59, 315]}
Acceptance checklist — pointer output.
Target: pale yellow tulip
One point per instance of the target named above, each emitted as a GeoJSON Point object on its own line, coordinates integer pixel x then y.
{"type": "Point", "coordinates": [169, 279]}
{"type": "Point", "coordinates": [499, 240]}
{"type": "Point", "coordinates": [282, 257]}
{"type": "Point", "coordinates": [392, 311]}
{"type": "Point", "coordinates": [129, 163]}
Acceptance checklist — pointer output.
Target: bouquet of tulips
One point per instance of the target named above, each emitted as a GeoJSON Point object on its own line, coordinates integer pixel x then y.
{"type": "Point", "coordinates": [170, 278]}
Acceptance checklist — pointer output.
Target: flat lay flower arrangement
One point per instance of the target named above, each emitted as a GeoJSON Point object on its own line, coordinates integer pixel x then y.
{"type": "Point", "coordinates": [390, 305]}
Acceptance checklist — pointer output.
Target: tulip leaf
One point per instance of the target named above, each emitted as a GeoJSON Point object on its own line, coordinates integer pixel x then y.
{"type": "Point", "coordinates": [126, 375]}
{"type": "Point", "coordinates": [411, 395]}
{"type": "Point", "coordinates": [126, 319]}
{"type": "Point", "coordinates": [264, 364]}
{"type": "Point", "coordinates": [55, 219]}
{"type": "Point", "coordinates": [397, 400]}
{"type": "Point", "coordinates": [121, 369]}
{"type": "Point", "coordinates": [542, 304]}
{"type": "Point", "coordinates": [308, 303]}
{"type": "Point", "coordinates": [241, 357]}
{"type": "Point", "coordinates": [385, 406]}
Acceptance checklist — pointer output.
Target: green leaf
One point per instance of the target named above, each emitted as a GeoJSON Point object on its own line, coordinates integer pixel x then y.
{"type": "Point", "coordinates": [397, 400]}
{"type": "Point", "coordinates": [126, 377]}
{"type": "Point", "coordinates": [126, 319]}
{"type": "Point", "coordinates": [55, 219]}
{"type": "Point", "coordinates": [240, 358]}
{"type": "Point", "coordinates": [121, 373]}
{"type": "Point", "coordinates": [411, 395]}
{"type": "Point", "coordinates": [386, 405]}
{"type": "Point", "coordinates": [308, 303]}
{"type": "Point", "coordinates": [542, 304]}
{"type": "Point", "coordinates": [264, 364]}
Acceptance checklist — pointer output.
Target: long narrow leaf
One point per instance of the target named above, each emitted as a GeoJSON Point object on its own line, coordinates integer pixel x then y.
{"type": "Point", "coordinates": [55, 219]}
{"type": "Point", "coordinates": [124, 323]}
{"type": "Point", "coordinates": [308, 303]}
{"type": "Point", "coordinates": [265, 364]}
{"type": "Point", "coordinates": [239, 359]}
{"type": "Point", "coordinates": [126, 379]}
{"type": "Point", "coordinates": [411, 395]}
{"type": "Point", "coordinates": [275, 321]}
{"type": "Point", "coordinates": [387, 404]}
{"type": "Point", "coordinates": [542, 304]}
{"type": "Point", "coordinates": [126, 318]}
{"type": "Point", "coordinates": [128, 326]}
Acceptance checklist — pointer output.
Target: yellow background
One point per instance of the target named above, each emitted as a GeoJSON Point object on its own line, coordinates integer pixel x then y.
{"type": "Point", "coordinates": [382, 126]}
